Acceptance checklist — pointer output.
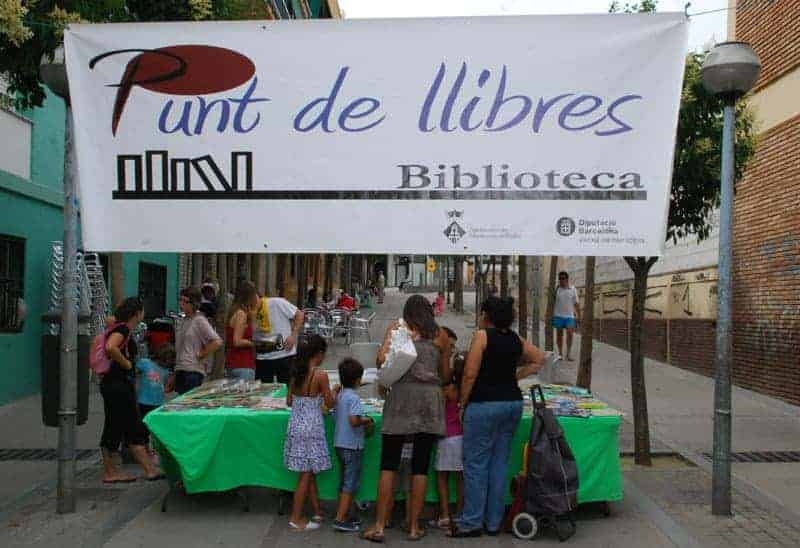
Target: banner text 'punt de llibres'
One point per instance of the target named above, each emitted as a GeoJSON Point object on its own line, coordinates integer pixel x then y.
{"type": "Point", "coordinates": [538, 135]}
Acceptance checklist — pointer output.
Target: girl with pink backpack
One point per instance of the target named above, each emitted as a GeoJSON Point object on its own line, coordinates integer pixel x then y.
{"type": "Point", "coordinates": [122, 421]}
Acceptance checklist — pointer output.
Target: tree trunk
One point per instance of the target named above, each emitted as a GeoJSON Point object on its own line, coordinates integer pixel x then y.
{"type": "Point", "coordinates": [117, 279]}
{"type": "Point", "coordinates": [364, 273]}
{"type": "Point", "coordinates": [250, 263]}
{"type": "Point", "coordinates": [260, 273]}
{"type": "Point", "coordinates": [302, 281]}
{"type": "Point", "coordinates": [242, 266]}
{"type": "Point", "coordinates": [197, 269]}
{"type": "Point", "coordinates": [458, 297]}
{"type": "Point", "coordinates": [522, 285]}
{"type": "Point", "coordinates": [280, 275]}
{"type": "Point", "coordinates": [535, 288]}
{"type": "Point", "coordinates": [551, 304]}
{"type": "Point", "coordinates": [348, 274]}
{"type": "Point", "coordinates": [222, 309]}
{"type": "Point", "coordinates": [641, 424]}
{"type": "Point", "coordinates": [233, 281]}
{"type": "Point", "coordinates": [329, 266]}
{"type": "Point", "coordinates": [504, 276]}
{"type": "Point", "coordinates": [209, 266]}
{"type": "Point", "coordinates": [587, 329]}
{"type": "Point", "coordinates": [318, 264]}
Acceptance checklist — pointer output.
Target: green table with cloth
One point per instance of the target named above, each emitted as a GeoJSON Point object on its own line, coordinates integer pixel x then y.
{"type": "Point", "coordinates": [226, 448]}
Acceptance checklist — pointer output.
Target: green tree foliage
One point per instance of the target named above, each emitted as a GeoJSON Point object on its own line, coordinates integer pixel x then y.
{"type": "Point", "coordinates": [30, 29]}
{"type": "Point", "coordinates": [698, 154]}
{"type": "Point", "coordinates": [646, 6]}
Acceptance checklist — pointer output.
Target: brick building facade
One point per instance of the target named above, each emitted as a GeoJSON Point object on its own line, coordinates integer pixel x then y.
{"type": "Point", "coordinates": [766, 283]}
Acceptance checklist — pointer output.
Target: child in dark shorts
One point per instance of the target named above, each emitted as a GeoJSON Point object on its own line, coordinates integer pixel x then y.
{"type": "Point", "coordinates": [349, 441]}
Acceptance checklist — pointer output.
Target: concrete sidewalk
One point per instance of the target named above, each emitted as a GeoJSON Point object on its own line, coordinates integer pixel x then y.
{"type": "Point", "coordinates": [666, 505]}
{"type": "Point", "coordinates": [680, 407]}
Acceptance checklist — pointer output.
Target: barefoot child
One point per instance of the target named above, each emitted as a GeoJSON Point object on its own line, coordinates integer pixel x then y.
{"type": "Point", "coordinates": [449, 460]}
{"type": "Point", "coordinates": [306, 450]}
{"type": "Point", "coordinates": [349, 441]}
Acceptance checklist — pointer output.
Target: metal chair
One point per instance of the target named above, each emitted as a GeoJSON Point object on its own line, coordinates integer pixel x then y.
{"type": "Point", "coordinates": [313, 319]}
{"type": "Point", "coordinates": [339, 320]}
{"type": "Point", "coordinates": [360, 326]}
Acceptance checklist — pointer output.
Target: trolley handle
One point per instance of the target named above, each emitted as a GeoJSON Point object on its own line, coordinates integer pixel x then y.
{"type": "Point", "coordinates": [540, 403]}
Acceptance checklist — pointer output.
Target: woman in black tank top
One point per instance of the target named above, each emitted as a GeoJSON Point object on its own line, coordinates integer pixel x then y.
{"type": "Point", "coordinates": [491, 407]}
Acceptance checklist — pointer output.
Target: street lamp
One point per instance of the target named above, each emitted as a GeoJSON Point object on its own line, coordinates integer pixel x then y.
{"type": "Point", "coordinates": [53, 73]}
{"type": "Point", "coordinates": [729, 71]}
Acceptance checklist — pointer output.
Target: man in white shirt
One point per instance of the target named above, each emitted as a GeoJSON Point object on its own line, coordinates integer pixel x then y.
{"type": "Point", "coordinates": [284, 319]}
{"type": "Point", "coordinates": [566, 313]}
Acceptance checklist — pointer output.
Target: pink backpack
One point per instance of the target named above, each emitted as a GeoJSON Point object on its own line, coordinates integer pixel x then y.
{"type": "Point", "coordinates": [99, 361]}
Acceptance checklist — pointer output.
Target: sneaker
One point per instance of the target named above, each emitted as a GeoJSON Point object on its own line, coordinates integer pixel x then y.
{"type": "Point", "coordinates": [346, 527]}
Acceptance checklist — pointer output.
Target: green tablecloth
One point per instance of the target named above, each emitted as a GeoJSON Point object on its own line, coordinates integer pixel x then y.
{"type": "Point", "coordinates": [221, 449]}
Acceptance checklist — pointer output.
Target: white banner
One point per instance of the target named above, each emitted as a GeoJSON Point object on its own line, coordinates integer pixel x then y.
{"type": "Point", "coordinates": [540, 135]}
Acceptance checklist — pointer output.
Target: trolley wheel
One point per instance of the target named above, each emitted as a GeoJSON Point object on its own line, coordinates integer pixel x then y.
{"type": "Point", "coordinates": [565, 528]}
{"type": "Point", "coordinates": [524, 526]}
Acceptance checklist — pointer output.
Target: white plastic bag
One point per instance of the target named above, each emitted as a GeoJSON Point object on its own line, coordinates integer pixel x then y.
{"type": "Point", "coordinates": [402, 354]}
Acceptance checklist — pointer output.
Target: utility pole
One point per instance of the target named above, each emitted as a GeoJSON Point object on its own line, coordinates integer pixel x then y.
{"type": "Point", "coordinates": [53, 73]}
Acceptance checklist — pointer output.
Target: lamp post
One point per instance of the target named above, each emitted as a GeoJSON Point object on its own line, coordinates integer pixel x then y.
{"type": "Point", "coordinates": [54, 74]}
{"type": "Point", "coordinates": [729, 71]}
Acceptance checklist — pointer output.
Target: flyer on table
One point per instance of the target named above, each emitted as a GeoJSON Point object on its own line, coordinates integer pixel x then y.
{"type": "Point", "coordinates": [537, 135]}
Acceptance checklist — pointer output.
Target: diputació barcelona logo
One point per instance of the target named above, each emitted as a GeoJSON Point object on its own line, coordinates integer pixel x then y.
{"type": "Point", "coordinates": [565, 226]}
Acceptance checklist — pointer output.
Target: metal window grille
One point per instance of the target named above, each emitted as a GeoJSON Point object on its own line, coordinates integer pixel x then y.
{"type": "Point", "coordinates": [12, 282]}
{"type": "Point", "coordinates": [153, 289]}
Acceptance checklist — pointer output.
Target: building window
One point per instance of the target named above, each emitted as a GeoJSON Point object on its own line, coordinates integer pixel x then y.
{"type": "Point", "coordinates": [12, 283]}
{"type": "Point", "coordinates": [153, 289]}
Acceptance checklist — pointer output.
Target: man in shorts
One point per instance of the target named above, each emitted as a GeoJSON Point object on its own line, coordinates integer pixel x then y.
{"type": "Point", "coordinates": [566, 313]}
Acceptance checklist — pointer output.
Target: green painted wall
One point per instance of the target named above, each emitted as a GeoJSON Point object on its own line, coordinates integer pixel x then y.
{"type": "Point", "coordinates": [47, 143]}
{"type": "Point", "coordinates": [32, 209]}
{"type": "Point", "coordinates": [39, 223]}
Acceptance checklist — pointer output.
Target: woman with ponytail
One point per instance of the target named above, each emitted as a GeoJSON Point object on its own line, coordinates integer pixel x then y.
{"type": "Point", "coordinates": [240, 354]}
{"type": "Point", "coordinates": [306, 449]}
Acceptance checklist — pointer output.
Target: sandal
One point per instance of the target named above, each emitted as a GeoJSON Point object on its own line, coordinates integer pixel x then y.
{"type": "Point", "coordinates": [310, 526]}
{"type": "Point", "coordinates": [443, 523]}
{"type": "Point", "coordinates": [419, 535]}
{"type": "Point", "coordinates": [317, 518]}
{"type": "Point", "coordinates": [455, 532]}
{"type": "Point", "coordinates": [124, 479]}
{"type": "Point", "coordinates": [373, 536]}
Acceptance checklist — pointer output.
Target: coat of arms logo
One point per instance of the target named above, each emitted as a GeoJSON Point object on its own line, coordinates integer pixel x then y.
{"type": "Point", "coordinates": [454, 231]}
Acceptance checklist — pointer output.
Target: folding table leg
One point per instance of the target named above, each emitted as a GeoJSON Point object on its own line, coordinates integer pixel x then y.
{"type": "Point", "coordinates": [242, 494]}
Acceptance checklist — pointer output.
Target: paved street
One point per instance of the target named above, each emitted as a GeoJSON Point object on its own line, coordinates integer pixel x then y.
{"type": "Point", "coordinates": [667, 505]}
